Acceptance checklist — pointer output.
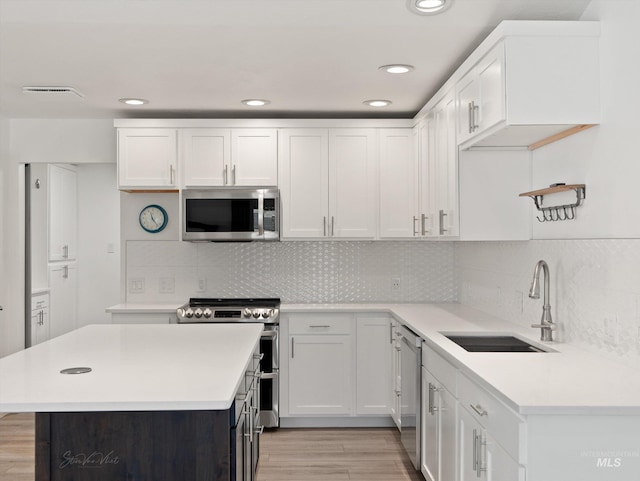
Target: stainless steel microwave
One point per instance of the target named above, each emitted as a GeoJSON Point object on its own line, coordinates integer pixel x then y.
{"type": "Point", "coordinates": [230, 214]}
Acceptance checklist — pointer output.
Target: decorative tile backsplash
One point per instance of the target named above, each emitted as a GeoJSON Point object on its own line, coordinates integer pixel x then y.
{"type": "Point", "coordinates": [595, 288]}
{"type": "Point", "coordinates": [297, 272]}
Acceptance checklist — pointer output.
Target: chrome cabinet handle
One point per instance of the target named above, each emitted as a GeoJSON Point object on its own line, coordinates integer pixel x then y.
{"type": "Point", "coordinates": [470, 117]}
{"type": "Point", "coordinates": [478, 444]}
{"type": "Point", "coordinates": [332, 226]}
{"type": "Point", "coordinates": [65, 272]}
{"type": "Point", "coordinates": [475, 451]}
{"type": "Point", "coordinates": [224, 174]}
{"type": "Point", "coordinates": [474, 115]}
{"type": "Point", "coordinates": [292, 345]}
{"type": "Point", "coordinates": [171, 175]}
{"type": "Point", "coordinates": [423, 224]}
{"type": "Point", "coordinates": [317, 326]}
{"type": "Point", "coordinates": [324, 224]}
{"type": "Point", "coordinates": [390, 333]}
{"type": "Point", "coordinates": [233, 175]}
{"type": "Point", "coordinates": [65, 251]}
{"type": "Point", "coordinates": [479, 409]}
{"type": "Point", "coordinates": [431, 407]}
{"type": "Point", "coordinates": [415, 232]}
{"type": "Point", "coordinates": [442, 215]}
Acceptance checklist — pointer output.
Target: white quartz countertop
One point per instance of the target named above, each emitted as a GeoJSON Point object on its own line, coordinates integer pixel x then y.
{"type": "Point", "coordinates": [570, 380]}
{"type": "Point", "coordinates": [134, 367]}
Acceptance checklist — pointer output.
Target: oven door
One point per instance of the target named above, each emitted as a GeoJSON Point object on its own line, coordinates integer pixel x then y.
{"type": "Point", "coordinates": [269, 385]}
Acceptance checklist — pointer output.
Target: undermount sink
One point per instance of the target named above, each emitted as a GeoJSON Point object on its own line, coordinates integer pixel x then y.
{"type": "Point", "coordinates": [493, 343]}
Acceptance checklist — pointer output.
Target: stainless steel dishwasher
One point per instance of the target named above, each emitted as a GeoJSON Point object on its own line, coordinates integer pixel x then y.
{"type": "Point", "coordinates": [410, 361]}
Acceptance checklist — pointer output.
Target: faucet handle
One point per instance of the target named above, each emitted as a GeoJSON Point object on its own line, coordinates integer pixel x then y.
{"type": "Point", "coordinates": [550, 326]}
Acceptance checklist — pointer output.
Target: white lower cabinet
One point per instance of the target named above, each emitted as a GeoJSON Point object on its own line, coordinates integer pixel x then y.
{"type": "Point", "coordinates": [321, 368]}
{"type": "Point", "coordinates": [63, 286]}
{"type": "Point", "coordinates": [395, 373]}
{"type": "Point", "coordinates": [336, 365]}
{"type": "Point", "coordinates": [374, 342]}
{"type": "Point", "coordinates": [39, 318]}
{"type": "Point", "coordinates": [439, 418]}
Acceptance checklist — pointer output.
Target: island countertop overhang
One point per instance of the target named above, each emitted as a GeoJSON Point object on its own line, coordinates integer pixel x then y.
{"type": "Point", "coordinates": [133, 368]}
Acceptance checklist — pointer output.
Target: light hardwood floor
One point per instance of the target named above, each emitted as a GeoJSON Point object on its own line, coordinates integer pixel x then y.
{"type": "Point", "coordinates": [286, 454]}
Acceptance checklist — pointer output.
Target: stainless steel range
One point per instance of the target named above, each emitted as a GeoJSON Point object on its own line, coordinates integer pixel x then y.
{"type": "Point", "coordinates": [265, 311]}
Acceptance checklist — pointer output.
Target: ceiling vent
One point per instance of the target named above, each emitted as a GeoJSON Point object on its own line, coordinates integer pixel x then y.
{"type": "Point", "coordinates": [60, 93]}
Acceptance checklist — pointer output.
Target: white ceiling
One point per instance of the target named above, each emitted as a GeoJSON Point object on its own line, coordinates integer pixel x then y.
{"type": "Point", "coordinates": [200, 58]}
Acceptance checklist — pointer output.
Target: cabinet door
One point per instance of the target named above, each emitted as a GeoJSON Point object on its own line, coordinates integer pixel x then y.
{"type": "Point", "coordinates": [304, 182]}
{"type": "Point", "coordinates": [352, 182]}
{"type": "Point", "coordinates": [469, 447]}
{"type": "Point", "coordinates": [63, 299]}
{"type": "Point", "coordinates": [498, 464]}
{"type": "Point", "coordinates": [468, 102]}
{"type": "Point", "coordinates": [395, 374]}
{"type": "Point", "coordinates": [448, 412]}
{"type": "Point", "coordinates": [254, 157]}
{"type": "Point", "coordinates": [147, 158]}
{"type": "Point", "coordinates": [62, 211]}
{"type": "Point", "coordinates": [492, 88]}
{"type": "Point", "coordinates": [320, 374]}
{"type": "Point", "coordinates": [398, 184]}
{"type": "Point", "coordinates": [39, 326]}
{"type": "Point", "coordinates": [446, 170]}
{"type": "Point", "coordinates": [431, 439]}
{"type": "Point", "coordinates": [206, 156]}
{"type": "Point", "coordinates": [373, 365]}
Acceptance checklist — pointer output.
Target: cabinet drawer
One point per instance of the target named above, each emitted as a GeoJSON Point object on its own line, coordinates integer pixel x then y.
{"type": "Point", "coordinates": [441, 369]}
{"type": "Point", "coordinates": [39, 302]}
{"type": "Point", "coordinates": [498, 419]}
{"type": "Point", "coordinates": [321, 324]}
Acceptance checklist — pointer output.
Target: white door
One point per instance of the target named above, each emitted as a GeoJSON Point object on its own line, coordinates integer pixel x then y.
{"type": "Point", "coordinates": [63, 298]}
{"type": "Point", "coordinates": [147, 158]}
{"type": "Point", "coordinates": [492, 88]}
{"type": "Point", "coordinates": [304, 183]}
{"type": "Point", "coordinates": [254, 157]}
{"type": "Point", "coordinates": [448, 412]}
{"type": "Point", "coordinates": [206, 157]}
{"type": "Point", "coordinates": [468, 99]}
{"type": "Point", "coordinates": [352, 183]}
{"type": "Point", "coordinates": [469, 448]}
{"type": "Point", "coordinates": [398, 184]}
{"type": "Point", "coordinates": [373, 365]}
{"type": "Point", "coordinates": [320, 378]}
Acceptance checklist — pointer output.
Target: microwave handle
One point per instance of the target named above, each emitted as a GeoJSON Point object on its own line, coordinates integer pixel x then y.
{"type": "Point", "coordinates": [261, 214]}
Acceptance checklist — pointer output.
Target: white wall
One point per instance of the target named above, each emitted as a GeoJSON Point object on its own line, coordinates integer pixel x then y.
{"type": "Point", "coordinates": [12, 244]}
{"type": "Point", "coordinates": [98, 242]}
{"type": "Point", "coordinates": [603, 157]}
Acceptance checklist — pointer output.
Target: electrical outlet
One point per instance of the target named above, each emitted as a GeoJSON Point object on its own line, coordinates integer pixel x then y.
{"type": "Point", "coordinates": [136, 286]}
{"type": "Point", "coordinates": [202, 285]}
{"type": "Point", "coordinates": [167, 285]}
{"type": "Point", "coordinates": [395, 284]}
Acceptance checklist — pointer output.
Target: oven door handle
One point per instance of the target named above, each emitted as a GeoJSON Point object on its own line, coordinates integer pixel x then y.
{"type": "Point", "coordinates": [269, 375]}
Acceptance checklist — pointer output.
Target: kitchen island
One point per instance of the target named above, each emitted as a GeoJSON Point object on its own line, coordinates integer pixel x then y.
{"type": "Point", "coordinates": [158, 404]}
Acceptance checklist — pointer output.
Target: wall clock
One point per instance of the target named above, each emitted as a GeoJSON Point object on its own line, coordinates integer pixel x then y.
{"type": "Point", "coordinates": [153, 218]}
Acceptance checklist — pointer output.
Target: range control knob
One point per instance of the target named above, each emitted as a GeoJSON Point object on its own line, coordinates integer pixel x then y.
{"type": "Point", "coordinates": [180, 312]}
{"type": "Point", "coordinates": [198, 313]}
{"type": "Point", "coordinates": [188, 313]}
{"type": "Point", "coordinates": [207, 313]}
{"type": "Point", "coordinates": [256, 313]}
{"type": "Point", "coordinates": [246, 312]}
{"type": "Point", "coordinates": [267, 313]}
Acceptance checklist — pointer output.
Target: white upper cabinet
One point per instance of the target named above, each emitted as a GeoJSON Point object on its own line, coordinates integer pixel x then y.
{"type": "Point", "coordinates": [528, 84]}
{"type": "Point", "coordinates": [62, 212]}
{"type": "Point", "coordinates": [327, 183]}
{"type": "Point", "coordinates": [225, 157]}
{"type": "Point", "coordinates": [147, 158]}
{"type": "Point", "coordinates": [206, 156]}
{"type": "Point", "coordinates": [399, 174]}
{"type": "Point", "coordinates": [254, 157]}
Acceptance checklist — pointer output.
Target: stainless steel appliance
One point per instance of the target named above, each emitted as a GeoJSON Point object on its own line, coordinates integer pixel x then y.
{"type": "Point", "coordinates": [230, 214]}
{"type": "Point", "coordinates": [410, 361]}
{"type": "Point", "coordinates": [265, 311]}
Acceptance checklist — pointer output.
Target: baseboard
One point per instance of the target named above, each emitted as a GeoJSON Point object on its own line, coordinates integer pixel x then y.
{"type": "Point", "coordinates": [343, 422]}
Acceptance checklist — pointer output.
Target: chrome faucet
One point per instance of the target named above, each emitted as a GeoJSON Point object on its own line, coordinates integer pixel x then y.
{"type": "Point", "coordinates": [546, 323]}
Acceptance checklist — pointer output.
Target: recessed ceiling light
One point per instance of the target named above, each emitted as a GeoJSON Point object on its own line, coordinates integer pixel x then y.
{"type": "Point", "coordinates": [396, 68]}
{"type": "Point", "coordinates": [133, 101]}
{"type": "Point", "coordinates": [256, 102]}
{"type": "Point", "coordinates": [377, 103]}
{"type": "Point", "coordinates": [428, 7]}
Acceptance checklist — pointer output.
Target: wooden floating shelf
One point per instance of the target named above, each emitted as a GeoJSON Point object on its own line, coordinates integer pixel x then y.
{"type": "Point", "coordinates": [553, 190]}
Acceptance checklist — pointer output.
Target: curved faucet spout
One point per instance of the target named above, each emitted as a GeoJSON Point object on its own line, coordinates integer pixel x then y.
{"type": "Point", "coordinates": [546, 323]}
